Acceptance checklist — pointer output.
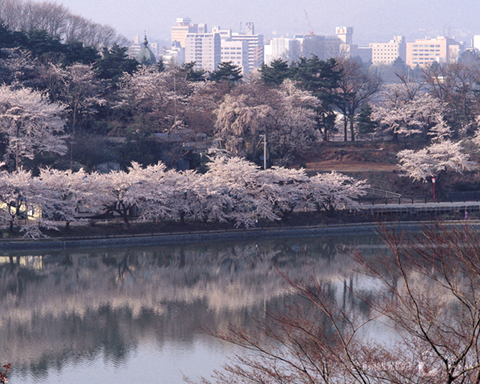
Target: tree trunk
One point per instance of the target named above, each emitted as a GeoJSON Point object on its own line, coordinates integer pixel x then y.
{"type": "Point", "coordinates": [352, 130]}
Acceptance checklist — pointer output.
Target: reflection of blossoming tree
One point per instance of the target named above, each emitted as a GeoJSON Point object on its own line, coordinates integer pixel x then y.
{"type": "Point", "coordinates": [4, 374]}
{"type": "Point", "coordinates": [426, 288]}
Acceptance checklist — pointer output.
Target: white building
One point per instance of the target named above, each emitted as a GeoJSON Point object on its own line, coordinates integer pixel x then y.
{"type": "Point", "coordinates": [174, 55]}
{"type": "Point", "coordinates": [476, 43]}
{"type": "Point", "coordinates": [236, 52]}
{"type": "Point", "coordinates": [387, 53]}
{"type": "Point", "coordinates": [326, 47]}
{"type": "Point", "coordinates": [255, 46]}
{"type": "Point", "coordinates": [423, 52]}
{"type": "Point", "coordinates": [285, 48]}
{"type": "Point", "coordinates": [204, 49]}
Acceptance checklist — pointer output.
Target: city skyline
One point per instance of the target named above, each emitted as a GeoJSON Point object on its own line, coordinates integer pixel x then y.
{"type": "Point", "coordinates": [374, 20]}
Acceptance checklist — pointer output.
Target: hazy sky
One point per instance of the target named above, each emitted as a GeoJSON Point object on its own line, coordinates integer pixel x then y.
{"type": "Point", "coordinates": [373, 20]}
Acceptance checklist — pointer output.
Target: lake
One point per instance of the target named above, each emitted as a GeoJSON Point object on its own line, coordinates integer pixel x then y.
{"type": "Point", "coordinates": [118, 315]}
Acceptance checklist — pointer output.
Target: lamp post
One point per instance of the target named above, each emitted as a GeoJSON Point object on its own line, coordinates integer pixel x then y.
{"type": "Point", "coordinates": [264, 151]}
{"type": "Point", "coordinates": [433, 183]}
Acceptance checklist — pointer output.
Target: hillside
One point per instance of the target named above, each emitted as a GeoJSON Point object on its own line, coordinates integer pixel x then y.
{"type": "Point", "coordinates": [377, 163]}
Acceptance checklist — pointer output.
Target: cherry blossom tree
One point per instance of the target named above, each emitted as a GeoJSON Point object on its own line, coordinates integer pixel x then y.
{"type": "Point", "coordinates": [434, 160]}
{"type": "Point", "coordinates": [29, 125]}
{"type": "Point", "coordinates": [154, 100]}
{"type": "Point", "coordinates": [285, 114]}
{"type": "Point", "coordinates": [250, 196]}
{"type": "Point", "coordinates": [66, 195]}
{"type": "Point", "coordinates": [184, 199]}
{"type": "Point", "coordinates": [295, 123]}
{"type": "Point", "coordinates": [153, 192]}
{"type": "Point", "coordinates": [290, 193]}
{"type": "Point", "coordinates": [16, 194]}
{"type": "Point", "coordinates": [333, 191]}
{"type": "Point", "coordinates": [402, 116]}
{"type": "Point", "coordinates": [240, 121]}
{"type": "Point", "coordinates": [122, 190]}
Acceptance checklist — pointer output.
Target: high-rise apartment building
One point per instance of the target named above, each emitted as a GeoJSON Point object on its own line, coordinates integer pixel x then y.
{"type": "Point", "coordinates": [235, 52]}
{"type": "Point", "coordinates": [179, 32]}
{"type": "Point", "coordinates": [425, 51]}
{"type": "Point", "coordinates": [476, 43]}
{"type": "Point", "coordinates": [387, 53]}
{"type": "Point", "coordinates": [204, 49]}
{"type": "Point", "coordinates": [285, 48]}
{"type": "Point", "coordinates": [255, 46]}
{"type": "Point", "coordinates": [345, 34]}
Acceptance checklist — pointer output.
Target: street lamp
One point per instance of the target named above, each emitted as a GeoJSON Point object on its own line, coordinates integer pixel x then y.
{"type": "Point", "coordinates": [264, 151]}
{"type": "Point", "coordinates": [433, 183]}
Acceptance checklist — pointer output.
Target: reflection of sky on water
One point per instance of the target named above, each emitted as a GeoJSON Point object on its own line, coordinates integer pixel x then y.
{"type": "Point", "coordinates": [147, 364]}
{"type": "Point", "coordinates": [135, 315]}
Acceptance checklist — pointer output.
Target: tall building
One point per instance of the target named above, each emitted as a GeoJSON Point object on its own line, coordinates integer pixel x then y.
{"type": "Point", "coordinates": [325, 47]}
{"type": "Point", "coordinates": [426, 51]}
{"type": "Point", "coordinates": [236, 52]}
{"type": "Point", "coordinates": [387, 53]}
{"type": "Point", "coordinates": [345, 34]}
{"type": "Point", "coordinates": [255, 46]}
{"type": "Point", "coordinates": [179, 32]}
{"type": "Point", "coordinates": [476, 43]}
{"type": "Point", "coordinates": [204, 49]}
{"type": "Point", "coordinates": [285, 48]}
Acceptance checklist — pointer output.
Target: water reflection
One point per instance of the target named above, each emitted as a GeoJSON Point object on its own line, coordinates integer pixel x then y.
{"type": "Point", "coordinates": [65, 313]}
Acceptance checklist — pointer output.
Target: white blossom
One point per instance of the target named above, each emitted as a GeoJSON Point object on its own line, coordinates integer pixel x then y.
{"type": "Point", "coordinates": [30, 124]}
{"type": "Point", "coordinates": [332, 191]}
{"type": "Point", "coordinates": [434, 160]}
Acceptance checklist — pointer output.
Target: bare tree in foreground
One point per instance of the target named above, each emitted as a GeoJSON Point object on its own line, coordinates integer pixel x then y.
{"type": "Point", "coordinates": [426, 291]}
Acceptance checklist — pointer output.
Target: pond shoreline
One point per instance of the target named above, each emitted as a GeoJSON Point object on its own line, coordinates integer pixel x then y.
{"type": "Point", "coordinates": [213, 235]}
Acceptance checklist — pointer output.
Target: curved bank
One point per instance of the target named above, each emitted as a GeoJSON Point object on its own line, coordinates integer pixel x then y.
{"type": "Point", "coordinates": [209, 236]}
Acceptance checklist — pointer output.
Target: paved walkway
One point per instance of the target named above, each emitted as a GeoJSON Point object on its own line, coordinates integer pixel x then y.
{"type": "Point", "coordinates": [460, 207]}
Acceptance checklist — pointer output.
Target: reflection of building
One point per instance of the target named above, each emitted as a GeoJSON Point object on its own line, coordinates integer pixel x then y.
{"type": "Point", "coordinates": [387, 53]}
{"type": "Point", "coordinates": [426, 51]}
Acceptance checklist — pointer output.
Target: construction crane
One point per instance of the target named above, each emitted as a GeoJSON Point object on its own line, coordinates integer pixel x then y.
{"type": "Point", "coordinates": [310, 30]}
